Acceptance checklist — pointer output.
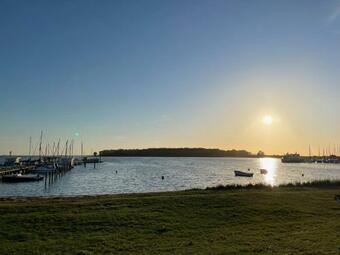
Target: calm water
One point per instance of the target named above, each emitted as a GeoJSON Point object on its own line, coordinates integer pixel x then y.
{"type": "Point", "coordinates": [144, 175]}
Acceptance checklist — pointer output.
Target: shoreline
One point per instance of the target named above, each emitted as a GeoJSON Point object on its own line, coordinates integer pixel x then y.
{"type": "Point", "coordinates": [325, 184]}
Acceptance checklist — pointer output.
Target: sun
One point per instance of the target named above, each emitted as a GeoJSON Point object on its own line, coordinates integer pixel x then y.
{"type": "Point", "coordinates": [267, 120]}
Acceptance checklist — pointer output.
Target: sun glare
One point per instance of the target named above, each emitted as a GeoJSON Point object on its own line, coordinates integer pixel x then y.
{"type": "Point", "coordinates": [267, 120]}
{"type": "Point", "coordinates": [271, 165]}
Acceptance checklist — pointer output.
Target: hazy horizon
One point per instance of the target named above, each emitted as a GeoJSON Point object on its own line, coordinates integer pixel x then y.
{"type": "Point", "coordinates": [254, 75]}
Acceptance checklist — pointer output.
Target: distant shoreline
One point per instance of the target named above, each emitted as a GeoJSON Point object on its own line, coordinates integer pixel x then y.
{"type": "Point", "coordinates": [126, 156]}
{"type": "Point", "coordinates": [182, 152]}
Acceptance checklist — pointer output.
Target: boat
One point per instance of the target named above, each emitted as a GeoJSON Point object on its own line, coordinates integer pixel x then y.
{"type": "Point", "coordinates": [2, 161]}
{"type": "Point", "coordinates": [78, 161]}
{"type": "Point", "coordinates": [26, 161]}
{"type": "Point", "coordinates": [332, 159]}
{"type": "Point", "coordinates": [9, 160]}
{"type": "Point", "coordinates": [47, 168]}
{"type": "Point", "coordinates": [263, 171]}
{"type": "Point", "coordinates": [22, 178]}
{"type": "Point", "coordinates": [292, 158]}
{"type": "Point", "coordinates": [66, 162]}
{"type": "Point", "coordinates": [243, 174]}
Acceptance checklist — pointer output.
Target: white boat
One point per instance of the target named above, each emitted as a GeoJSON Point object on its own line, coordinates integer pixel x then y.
{"type": "Point", "coordinates": [243, 174]}
{"type": "Point", "coordinates": [66, 162]}
{"type": "Point", "coordinates": [9, 160]}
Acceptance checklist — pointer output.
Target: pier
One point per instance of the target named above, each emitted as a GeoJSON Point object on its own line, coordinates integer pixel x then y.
{"type": "Point", "coordinates": [16, 170]}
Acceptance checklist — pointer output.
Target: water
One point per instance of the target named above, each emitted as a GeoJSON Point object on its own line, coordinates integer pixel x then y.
{"type": "Point", "coordinates": [145, 175]}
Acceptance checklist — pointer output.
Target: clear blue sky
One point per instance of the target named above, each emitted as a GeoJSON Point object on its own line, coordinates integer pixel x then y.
{"type": "Point", "coordinates": [152, 73]}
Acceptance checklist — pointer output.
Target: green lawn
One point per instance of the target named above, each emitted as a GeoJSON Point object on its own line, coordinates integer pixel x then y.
{"type": "Point", "coordinates": [240, 221]}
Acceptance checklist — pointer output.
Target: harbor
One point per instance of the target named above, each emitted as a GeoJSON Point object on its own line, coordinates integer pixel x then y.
{"type": "Point", "coordinates": [49, 164]}
{"type": "Point", "coordinates": [327, 157]}
{"type": "Point", "coordinates": [47, 167]}
{"type": "Point", "coordinates": [116, 175]}
{"type": "Point", "coordinates": [57, 170]}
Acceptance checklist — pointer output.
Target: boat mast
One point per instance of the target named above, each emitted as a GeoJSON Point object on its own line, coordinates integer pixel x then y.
{"type": "Point", "coordinates": [53, 149]}
{"type": "Point", "coordinates": [30, 146]}
{"type": "Point", "coordinates": [66, 148]}
{"type": "Point", "coordinates": [58, 147]}
{"type": "Point", "coordinates": [45, 150]}
{"type": "Point", "coordinates": [41, 137]}
{"type": "Point", "coordinates": [70, 149]}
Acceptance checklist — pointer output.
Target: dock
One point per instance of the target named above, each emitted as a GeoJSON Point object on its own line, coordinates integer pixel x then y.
{"type": "Point", "coordinates": [16, 170]}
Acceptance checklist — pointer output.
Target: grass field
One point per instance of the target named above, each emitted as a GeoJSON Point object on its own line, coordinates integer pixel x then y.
{"type": "Point", "coordinates": [286, 220]}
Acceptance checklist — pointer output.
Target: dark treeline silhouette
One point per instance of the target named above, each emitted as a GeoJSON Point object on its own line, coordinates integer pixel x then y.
{"type": "Point", "coordinates": [175, 152]}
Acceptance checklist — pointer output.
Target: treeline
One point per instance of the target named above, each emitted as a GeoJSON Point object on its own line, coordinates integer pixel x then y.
{"type": "Point", "coordinates": [175, 152]}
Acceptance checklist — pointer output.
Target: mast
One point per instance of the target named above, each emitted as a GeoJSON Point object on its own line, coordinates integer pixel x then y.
{"type": "Point", "coordinates": [66, 148]}
{"type": "Point", "coordinates": [30, 146]}
{"type": "Point", "coordinates": [82, 148]}
{"type": "Point", "coordinates": [58, 147]}
{"type": "Point", "coordinates": [53, 149]}
{"type": "Point", "coordinates": [41, 137]}
{"type": "Point", "coordinates": [71, 148]}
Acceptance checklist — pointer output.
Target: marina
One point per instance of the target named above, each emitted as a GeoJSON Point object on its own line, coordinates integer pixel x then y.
{"type": "Point", "coordinates": [50, 165]}
{"type": "Point", "coordinates": [297, 158]}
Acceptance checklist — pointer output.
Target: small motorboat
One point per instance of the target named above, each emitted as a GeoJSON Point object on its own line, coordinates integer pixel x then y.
{"type": "Point", "coordinates": [263, 171]}
{"type": "Point", "coordinates": [243, 174]}
{"type": "Point", "coordinates": [22, 178]}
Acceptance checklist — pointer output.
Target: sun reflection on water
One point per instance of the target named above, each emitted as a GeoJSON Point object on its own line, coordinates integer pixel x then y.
{"type": "Point", "coordinates": [270, 164]}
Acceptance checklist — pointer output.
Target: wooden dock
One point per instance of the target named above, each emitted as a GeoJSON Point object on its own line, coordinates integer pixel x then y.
{"type": "Point", "coordinates": [16, 170]}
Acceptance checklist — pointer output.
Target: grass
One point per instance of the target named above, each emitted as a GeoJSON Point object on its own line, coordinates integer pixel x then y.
{"type": "Point", "coordinates": [252, 220]}
{"type": "Point", "coordinates": [310, 184]}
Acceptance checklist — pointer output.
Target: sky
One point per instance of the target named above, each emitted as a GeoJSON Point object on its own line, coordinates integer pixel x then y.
{"type": "Point", "coordinates": [170, 73]}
